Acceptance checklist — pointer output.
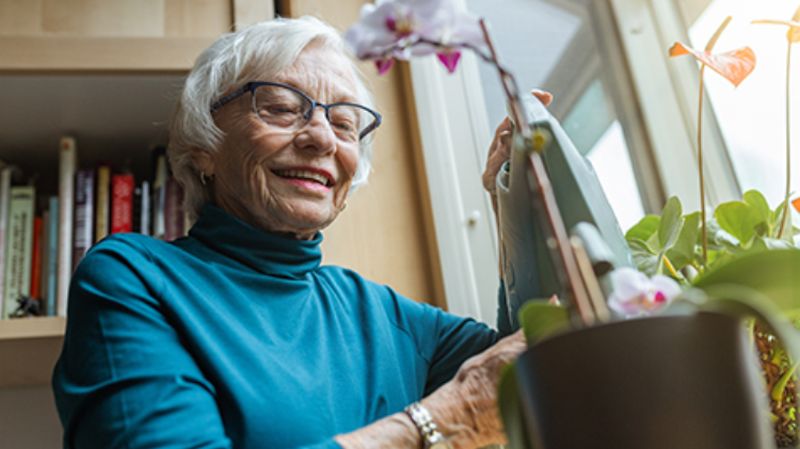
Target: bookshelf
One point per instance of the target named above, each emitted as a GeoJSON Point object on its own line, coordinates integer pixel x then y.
{"type": "Point", "coordinates": [28, 350]}
{"type": "Point", "coordinates": [108, 74]}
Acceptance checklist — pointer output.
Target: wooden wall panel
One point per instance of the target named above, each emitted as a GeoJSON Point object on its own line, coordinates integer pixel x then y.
{"type": "Point", "coordinates": [385, 234]}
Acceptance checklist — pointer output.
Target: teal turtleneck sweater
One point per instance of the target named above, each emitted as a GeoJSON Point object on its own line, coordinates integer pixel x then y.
{"type": "Point", "coordinates": [237, 338]}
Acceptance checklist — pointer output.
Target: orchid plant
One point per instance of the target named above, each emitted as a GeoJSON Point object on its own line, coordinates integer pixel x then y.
{"type": "Point", "coordinates": [399, 29]}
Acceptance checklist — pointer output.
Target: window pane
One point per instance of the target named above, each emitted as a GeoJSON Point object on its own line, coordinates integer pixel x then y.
{"type": "Point", "coordinates": [553, 45]}
{"type": "Point", "coordinates": [752, 117]}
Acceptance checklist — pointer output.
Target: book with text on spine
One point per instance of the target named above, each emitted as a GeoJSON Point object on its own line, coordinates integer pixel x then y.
{"type": "Point", "coordinates": [83, 214]}
{"type": "Point", "coordinates": [35, 290]}
{"type": "Point", "coordinates": [122, 189]}
{"type": "Point", "coordinates": [67, 164]}
{"type": "Point", "coordinates": [19, 246]}
{"type": "Point", "coordinates": [51, 272]}
{"type": "Point", "coordinates": [102, 202]}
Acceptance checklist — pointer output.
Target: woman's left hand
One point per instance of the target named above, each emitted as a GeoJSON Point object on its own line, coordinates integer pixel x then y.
{"type": "Point", "coordinates": [500, 147]}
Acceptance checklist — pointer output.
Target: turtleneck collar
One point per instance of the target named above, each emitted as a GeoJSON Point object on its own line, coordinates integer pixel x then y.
{"type": "Point", "coordinates": [266, 252]}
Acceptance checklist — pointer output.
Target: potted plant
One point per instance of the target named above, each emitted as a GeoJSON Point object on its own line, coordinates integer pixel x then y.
{"type": "Point", "coordinates": [681, 372]}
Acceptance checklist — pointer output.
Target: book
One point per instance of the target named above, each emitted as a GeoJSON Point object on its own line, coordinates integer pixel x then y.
{"type": "Point", "coordinates": [142, 208]}
{"type": "Point", "coordinates": [102, 202]}
{"type": "Point", "coordinates": [19, 240]}
{"type": "Point", "coordinates": [44, 255]}
{"type": "Point", "coordinates": [36, 259]}
{"type": "Point", "coordinates": [6, 173]}
{"type": "Point", "coordinates": [122, 192]}
{"type": "Point", "coordinates": [67, 163]}
{"type": "Point", "coordinates": [160, 175]}
{"type": "Point", "coordinates": [51, 273]}
{"type": "Point", "coordinates": [83, 215]}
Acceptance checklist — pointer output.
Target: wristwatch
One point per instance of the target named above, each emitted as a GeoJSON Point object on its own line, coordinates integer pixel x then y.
{"type": "Point", "coordinates": [431, 437]}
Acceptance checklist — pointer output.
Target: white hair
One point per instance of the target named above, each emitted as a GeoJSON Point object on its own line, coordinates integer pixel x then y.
{"type": "Point", "coordinates": [255, 53]}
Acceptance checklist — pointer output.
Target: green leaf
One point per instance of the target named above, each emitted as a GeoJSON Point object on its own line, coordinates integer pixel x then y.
{"type": "Point", "coordinates": [671, 222]}
{"type": "Point", "coordinates": [508, 398]}
{"type": "Point", "coordinates": [756, 200]}
{"type": "Point", "coordinates": [780, 386]}
{"type": "Point", "coordinates": [683, 251]}
{"type": "Point", "coordinates": [643, 256]}
{"type": "Point", "coordinates": [540, 319]}
{"type": "Point", "coordinates": [644, 229]}
{"type": "Point", "coordinates": [739, 219]}
{"type": "Point", "coordinates": [774, 274]}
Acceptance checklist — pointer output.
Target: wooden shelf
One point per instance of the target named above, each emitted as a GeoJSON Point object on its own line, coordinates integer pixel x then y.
{"type": "Point", "coordinates": [29, 348]}
{"type": "Point", "coordinates": [109, 54]}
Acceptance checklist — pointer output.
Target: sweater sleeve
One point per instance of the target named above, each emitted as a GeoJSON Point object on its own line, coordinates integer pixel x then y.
{"type": "Point", "coordinates": [124, 378]}
{"type": "Point", "coordinates": [444, 340]}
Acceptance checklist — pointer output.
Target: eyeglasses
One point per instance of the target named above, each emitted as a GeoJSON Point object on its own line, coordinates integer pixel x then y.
{"type": "Point", "coordinates": [287, 107]}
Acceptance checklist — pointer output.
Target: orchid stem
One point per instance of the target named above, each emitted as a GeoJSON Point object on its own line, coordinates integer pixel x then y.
{"type": "Point", "coordinates": [700, 168]}
{"type": "Point", "coordinates": [786, 211]}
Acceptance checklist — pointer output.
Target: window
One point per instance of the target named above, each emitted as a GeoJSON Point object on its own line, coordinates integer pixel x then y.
{"type": "Point", "coordinates": [752, 116]}
{"type": "Point", "coordinates": [570, 48]}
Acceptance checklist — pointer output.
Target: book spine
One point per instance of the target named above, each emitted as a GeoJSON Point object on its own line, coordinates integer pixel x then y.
{"type": "Point", "coordinates": [159, 194]}
{"type": "Point", "coordinates": [84, 215]}
{"type": "Point", "coordinates": [145, 211]}
{"type": "Point", "coordinates": [19, 246]}
{"type": "Point", "coordinates": [102, 202]}
{"type": "Point", "coordinates": [53, 246]}
{"type": "Point", "coordinates": [66, 199]}
{"type": "Point", "coordinates": [44, 254]}
{"type": "Point", "coordinates": [122, 188]}
{"type": "Point", "coordinates": [173, 211]}
{"type": "Point", "coordinates": [5, 198]}
{"type": "Point", "coordinates": [36, 259]}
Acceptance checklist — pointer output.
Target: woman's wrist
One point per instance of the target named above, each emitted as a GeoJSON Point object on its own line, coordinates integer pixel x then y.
{"type": "Point", "coordinates": [454, 415]}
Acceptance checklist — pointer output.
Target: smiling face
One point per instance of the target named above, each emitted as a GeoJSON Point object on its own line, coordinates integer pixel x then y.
{"type": "Point", "coordinates": [287, 180]}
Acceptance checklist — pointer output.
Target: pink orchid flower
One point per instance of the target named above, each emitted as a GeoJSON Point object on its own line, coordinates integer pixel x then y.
{"type": "Point", "coordinates": [635, 294]}
{"type": "Point", "coordinates": [399, 29]}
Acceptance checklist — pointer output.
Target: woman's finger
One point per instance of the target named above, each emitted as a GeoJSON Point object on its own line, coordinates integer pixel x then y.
{"type": "Point", "coordinates": [545, 97]}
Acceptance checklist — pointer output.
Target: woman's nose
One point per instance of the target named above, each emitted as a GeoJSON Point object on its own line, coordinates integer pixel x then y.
{"type": "Point", "coordinates": [317, 133]}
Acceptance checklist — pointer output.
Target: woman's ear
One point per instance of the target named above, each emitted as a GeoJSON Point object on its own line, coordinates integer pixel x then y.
{"type": "Point", "coordinates": [203, 162]}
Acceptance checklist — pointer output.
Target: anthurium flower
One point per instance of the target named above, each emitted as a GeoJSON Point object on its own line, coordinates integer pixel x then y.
{"type": "Point", "coordinates": [636, 294]}
{"type": "Point", "coordinates": [734, 65]}
{"type": "Point", "coordinates": [399, 29]}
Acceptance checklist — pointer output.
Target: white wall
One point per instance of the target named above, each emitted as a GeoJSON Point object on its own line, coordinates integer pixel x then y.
{"type": "Point", "coordinates": [28, 419]}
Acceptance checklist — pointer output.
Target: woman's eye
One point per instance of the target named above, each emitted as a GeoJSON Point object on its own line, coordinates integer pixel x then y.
{"type": "Point", "coordinates": [282, 109]}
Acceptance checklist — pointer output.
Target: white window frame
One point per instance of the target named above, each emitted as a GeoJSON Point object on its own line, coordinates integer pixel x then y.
{"type": "Point", "coordinates": [667, 89]}
{"type": "Point", "coordinates": [455, 136]}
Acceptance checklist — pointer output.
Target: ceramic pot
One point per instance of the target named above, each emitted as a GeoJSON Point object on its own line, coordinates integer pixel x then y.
{"type": "Point", "coordinates": [686, 382]}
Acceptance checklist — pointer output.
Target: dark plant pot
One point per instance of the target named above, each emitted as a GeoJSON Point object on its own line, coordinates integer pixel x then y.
{"type": "Point", "coordinates": [686, 382]}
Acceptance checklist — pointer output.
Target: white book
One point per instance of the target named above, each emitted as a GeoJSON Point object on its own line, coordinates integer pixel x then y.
{"type": "Point", "coordinates": [144, 209]}
{"type": "Point", "coordinates": [19, 246]}
{"type": "Point", "coordinates": [67, 163]}
{"type": "Point", "coordinates": [5, 189]}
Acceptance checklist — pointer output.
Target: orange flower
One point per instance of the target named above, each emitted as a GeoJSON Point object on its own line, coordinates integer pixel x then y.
{"type": "Point", "coordinates": [733, 65]}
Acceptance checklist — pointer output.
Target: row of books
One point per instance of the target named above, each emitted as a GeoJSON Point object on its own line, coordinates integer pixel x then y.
{"type": "Point", "coordinates": [44, 236]}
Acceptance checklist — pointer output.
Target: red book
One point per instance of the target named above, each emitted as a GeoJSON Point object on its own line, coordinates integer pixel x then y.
{"type": "Point", "coordinates": [122, 186]}
{"type": "Point", "coordinates": [36, 259]}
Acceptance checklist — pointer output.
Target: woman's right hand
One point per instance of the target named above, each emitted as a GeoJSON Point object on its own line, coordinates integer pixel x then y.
{"type": "Point", "coordinates": [466, 409]}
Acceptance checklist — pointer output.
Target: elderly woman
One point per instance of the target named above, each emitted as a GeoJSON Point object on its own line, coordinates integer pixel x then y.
{"type": "Point", "coordinates": [235, 336]}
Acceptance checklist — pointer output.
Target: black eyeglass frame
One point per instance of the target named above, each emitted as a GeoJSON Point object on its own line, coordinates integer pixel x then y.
{"type": "Point", "coordinates": [253, 85]}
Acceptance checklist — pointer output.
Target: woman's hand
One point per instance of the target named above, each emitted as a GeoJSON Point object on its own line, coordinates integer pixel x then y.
{"type": "Point", "coordinates": [500, 147]}
{"type": "Point", "coordinates": [466, 409]}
